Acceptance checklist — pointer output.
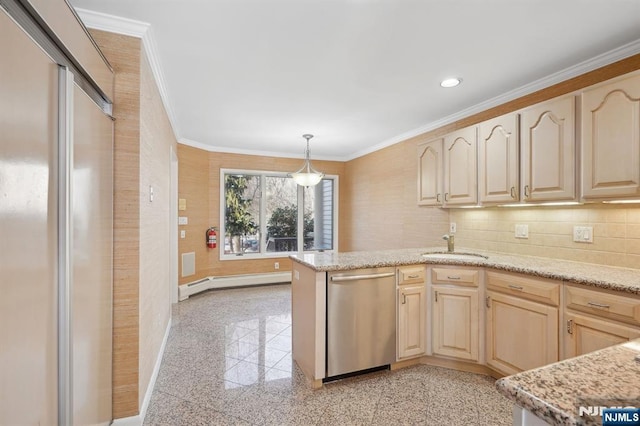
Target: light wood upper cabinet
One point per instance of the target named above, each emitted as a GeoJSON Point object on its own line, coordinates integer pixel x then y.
{"type": "Point", "coordinates": [498, 159]}
{"type": "Point", "coordinates": [611, 139]}
{"type": "Point", "coordinates": [430, 175]}
{"type": "Point", "coordinates": [548, 151]}
{"type": "Point", "coordinates": [460, 167]}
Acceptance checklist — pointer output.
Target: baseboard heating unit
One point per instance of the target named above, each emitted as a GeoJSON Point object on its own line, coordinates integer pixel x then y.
{"type": "Point", "coordinates": [186, 290]}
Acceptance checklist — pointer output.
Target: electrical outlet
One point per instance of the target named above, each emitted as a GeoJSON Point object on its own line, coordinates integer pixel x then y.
{"type": "Point", "coordinates": [583, 234]}
{"type": "Point", "coordinates": [276, 265]}
{"type": "Point", "coordinates": [522, 231]}
{"type": "Point", "coordinates": [452, 228]}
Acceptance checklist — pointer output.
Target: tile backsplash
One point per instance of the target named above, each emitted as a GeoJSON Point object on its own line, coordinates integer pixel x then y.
{"type": "Point", "coordinates": [616, 232]}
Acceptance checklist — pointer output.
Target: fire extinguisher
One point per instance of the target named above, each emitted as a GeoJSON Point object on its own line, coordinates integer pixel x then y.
{"type": "Point", "coordinates": [211, 237]}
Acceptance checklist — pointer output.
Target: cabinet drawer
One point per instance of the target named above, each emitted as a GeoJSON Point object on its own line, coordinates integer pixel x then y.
{"type": "Point", "coordinates": [411, 275]}
{"type": "Point", "coordinates": [466, 277]}
{"type": "Point", "coordinates": [538, 289]}
{"type": "Point", "coordinates": [599, 303]}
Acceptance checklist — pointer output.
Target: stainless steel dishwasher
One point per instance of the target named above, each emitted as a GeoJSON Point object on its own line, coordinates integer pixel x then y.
{"type": "Point", "coordinates": [361, 320]}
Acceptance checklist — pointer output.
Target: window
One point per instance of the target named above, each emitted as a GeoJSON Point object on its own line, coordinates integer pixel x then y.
{"type": "Point", "coordinates": [265, 214]}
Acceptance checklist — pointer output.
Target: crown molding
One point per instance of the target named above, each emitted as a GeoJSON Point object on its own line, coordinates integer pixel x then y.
{"type": "Point", "coordinates": [130, 27]}
{"type": "Point", "coordinates": [143, 31]}
{"type": "Point", "coordinates": [596, 62]}
{"type": "Point", "coordinates": [228, 150]}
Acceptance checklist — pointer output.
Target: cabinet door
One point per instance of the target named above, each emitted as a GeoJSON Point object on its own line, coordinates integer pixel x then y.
{"type": "Point", "coordinates": [430, 174]}
{"type": "Point", "coordinates": [411, 321]}
{"type": "Point", "coordinates": [498, 159]}
{"type": "Point", "coordinates": [455, 322]}
{"type": "Point", "coordinates": [460, 167]}
{"type": "Point", "coordinates": [548, 150]}
{"type": "Point", "coordinates": [611, 140]}
{"type": "Point", "coordinates": [521, 335]}
{"type": "Point", "coordinates": [584, 334]}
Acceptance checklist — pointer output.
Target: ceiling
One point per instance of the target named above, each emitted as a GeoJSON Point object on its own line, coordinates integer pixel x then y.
{"type": "Point", "coordinates": [254, 75]}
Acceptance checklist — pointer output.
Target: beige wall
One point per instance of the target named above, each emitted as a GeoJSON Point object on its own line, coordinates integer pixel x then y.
{"type": "Point", "coordinates": [156, 143]}
{"type": "Point", "coordinates": [199, 185]}
{"type": "Point", "coordinates": [378, 209]}
{"type": "Point", "coordinates": [123, 53]}
{"type": "Point", "coordinates": [141, 300]}
{"type": "Point", "coordinates": [616, 232]}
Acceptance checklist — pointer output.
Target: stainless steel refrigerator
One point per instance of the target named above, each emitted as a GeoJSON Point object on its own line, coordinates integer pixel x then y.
{"type": "Point", "coordinates": [56, 239]}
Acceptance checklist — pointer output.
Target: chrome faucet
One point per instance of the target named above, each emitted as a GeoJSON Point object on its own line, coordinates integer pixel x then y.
{"type": "Point", "coordinates": [450, 240]}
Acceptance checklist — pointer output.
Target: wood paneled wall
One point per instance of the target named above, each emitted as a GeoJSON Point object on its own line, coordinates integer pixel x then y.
{"type": "Point", "coordinates": [142, 158]}
{"type": "Point", "coordinates": [123, 53]}
{"type": "Point", "coordinates": [156, 143]}
{"type": "Point", "coordinates": [199, 184]}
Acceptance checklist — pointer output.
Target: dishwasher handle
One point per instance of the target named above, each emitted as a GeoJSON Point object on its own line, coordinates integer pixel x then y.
{"type": "Point", "coordinates": [362, 277]}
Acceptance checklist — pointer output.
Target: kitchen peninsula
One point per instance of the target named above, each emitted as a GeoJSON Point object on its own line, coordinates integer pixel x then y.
{"type": "Point", "coordinates": [575, 307]}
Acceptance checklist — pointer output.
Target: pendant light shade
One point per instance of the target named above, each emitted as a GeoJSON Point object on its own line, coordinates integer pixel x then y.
{"type": "Point", "coordinates": [307, 175]}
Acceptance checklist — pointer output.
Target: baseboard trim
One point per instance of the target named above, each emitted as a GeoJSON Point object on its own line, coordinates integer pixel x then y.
{"type": "Point", "coordinates": [208, 283]}
{"type": "Point", "coordinates": [138, 420]}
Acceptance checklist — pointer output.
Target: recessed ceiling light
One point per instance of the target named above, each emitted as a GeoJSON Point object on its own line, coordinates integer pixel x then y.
{"type": "Point", "coordinates": [451, 82]}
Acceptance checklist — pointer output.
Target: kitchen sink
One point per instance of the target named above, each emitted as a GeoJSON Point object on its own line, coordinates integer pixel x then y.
{"type": "Point", "coordinates": [454, 256]}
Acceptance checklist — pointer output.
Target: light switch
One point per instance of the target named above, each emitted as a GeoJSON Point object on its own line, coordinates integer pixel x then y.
{"type": "Point", "coordinates": [583, 234]}
{"type": "Point", "coordinates": [182, 203]}
{"type": "Point", "coordinates": [150, 194]}
{"type": "Point", "coordinates": [522, 231]}
{"type": "Point", "coordinates": [183, 233]}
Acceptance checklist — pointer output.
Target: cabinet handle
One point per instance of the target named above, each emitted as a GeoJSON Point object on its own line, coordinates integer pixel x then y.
{"type": "Point", "coordinates": [513, 192]}
{"type": "Point", "coordinates": [413, 276]}
{"type": "Point", "coordinates": [516, 287]}
{"type": "Point", "coordinates": [526, 191]}
{"type": "Point", "coordinates": [438, 197]}
{"type": "Point", "coordinates": [404, 298]}
{"type": "Point", "coordinates": [453, 278]}
{"type": "Point", "coordinates": [598, 305]}
{"type": "Point", "coordinates": [570, 326]}
{"type": "Point", "coordinates": [436, 296]}
{"type": "Point", "coordinates": [487, 301]}
{"type": "Point", "coordinates": [446, 196]}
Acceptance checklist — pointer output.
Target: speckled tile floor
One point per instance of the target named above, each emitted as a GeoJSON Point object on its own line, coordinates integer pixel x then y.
{"type": "Point", "coordinates": [228, 362]}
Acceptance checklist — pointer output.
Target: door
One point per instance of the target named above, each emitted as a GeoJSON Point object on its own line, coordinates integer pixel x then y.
{"type": "Point", "coordinates": [584, 334]}
{"type": "Point", "coordinates": [521, 334]}
{"type": "Point", "coordinates": [430, 174]}
{"type": "Point", "coordinates": [611, 140]}
{"type": "Point", "coordinates": [498, 155]}
{"type": "Point", "coordinates": [411, 321]}
{"type": "Point", "coordinates": [455, 322]}
{"type": "Point", "coordinates": [460, 167]}
{"type": "Point", "coordinates": [548, 151]}
{"type": "Point", "coordinates": [92, 207]}
{"type": "Point", "coordinates": [28, 230]}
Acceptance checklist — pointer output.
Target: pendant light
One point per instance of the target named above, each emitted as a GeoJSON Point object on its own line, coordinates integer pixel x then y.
{"type": "Point", "coordinates": [307, 175]}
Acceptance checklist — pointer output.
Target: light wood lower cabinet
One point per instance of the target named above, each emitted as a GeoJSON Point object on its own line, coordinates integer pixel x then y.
{"type": "Point", "coordinates": [521, 334]}
{"type": "Point", "coordinates": [412, 311]}
{"type": "Point", "coordinates": [584, 334]}
{"type": "Point", "coordinates": [455, 322]}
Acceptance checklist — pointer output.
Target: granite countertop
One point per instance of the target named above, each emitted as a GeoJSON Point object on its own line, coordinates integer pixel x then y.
{"type": "Point", "coordinates": [606, 277]}
{"type": "Point", "coordinates": [554, 393]}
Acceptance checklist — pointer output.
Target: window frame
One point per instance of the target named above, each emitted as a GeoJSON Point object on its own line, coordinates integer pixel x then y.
{"type": "Point", "coordinates": [263, 254]}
